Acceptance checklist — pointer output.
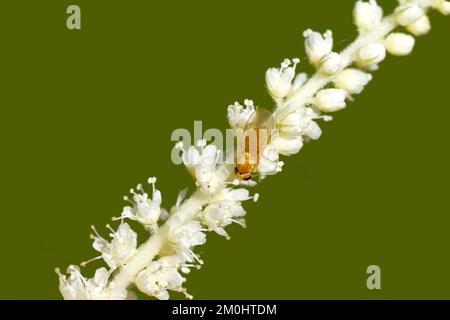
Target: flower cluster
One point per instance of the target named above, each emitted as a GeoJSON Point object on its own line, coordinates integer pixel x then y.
{"type": "Point", "coordinates": [280, 81]}
{"type": "Point", "coordinates": [158, 265]}
{"type": "Point", "coordinates": [176, 256]}
{"type": "Point", "coordinates": [160, 276]}
{"type": "Point", "coordinates": [350, 73]}
{"type": "Point", "coordinates": [76, 287]}
{"type": "Point", "coordinates": [183, 236]}
{"type": "Point", "coordinates": [290, 131]}
{"type": "Point", "coordinates": [224, 209]}
{"type": "Point", "coordinates": [144, 209]}
{"type": "Point", "coordinates": [201, 162]}
{"type": "Point", "coordinates": [120, 249]}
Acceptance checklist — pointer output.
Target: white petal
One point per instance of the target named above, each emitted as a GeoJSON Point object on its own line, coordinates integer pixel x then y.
{"type": "Point", "coordinates": [352, 80]}
{"type": "Point", "coordinates": [420, 27]}
{"type": "Point", "coordinates": [367, 15]}
{"type": "Point", "coordinates": [317, 45]}
{"type": "Point", "coordinates": [191, 157]}
{"type": "Point", "coordinates": [312, 130]}
{"type": "Point", "coordinates": [399, 44]}
{"type": "Point", "coordinates": [238, 194]}
{"type": "Point", "coordinates": [331, 100]}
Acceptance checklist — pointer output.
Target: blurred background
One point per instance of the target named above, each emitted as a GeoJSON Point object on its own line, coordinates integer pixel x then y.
{"type": "Point", "coordinates": [85, 115]}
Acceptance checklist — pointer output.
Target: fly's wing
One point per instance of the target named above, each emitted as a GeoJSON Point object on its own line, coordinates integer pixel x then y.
{"type": "Point", "coordinates": [258, 133]}
{"type": "Point", "coordinates": [260, 118]}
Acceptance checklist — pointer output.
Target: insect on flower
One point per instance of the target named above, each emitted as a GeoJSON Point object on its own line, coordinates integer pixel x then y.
{"type": "Point", "coordinates": [257, 133]}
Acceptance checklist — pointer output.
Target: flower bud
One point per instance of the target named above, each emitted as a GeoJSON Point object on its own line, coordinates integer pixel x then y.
{"type": "Point", "coordinates": [278, 81]}
{"type": "Point", "coordinates": [367, 14]}
{"type": "Point", "coordinates": [317, 45]}
{"type": "Point", "coordinates": [372, 53]}
{"type": "Point", "coordinates": [330, 100]}
{"type": "Point", "coordinates": [330, 64]}
{"type": "Point", "coordinates": [420, 27]}
{"type": "Point", "coordinates": [444, 7]}
{"type": "Point", "coordinates": [408, 13]}
{"type": "Point", "coordinates": [399, 44]}
{"type": "Point", "coordinates": [352, 80]}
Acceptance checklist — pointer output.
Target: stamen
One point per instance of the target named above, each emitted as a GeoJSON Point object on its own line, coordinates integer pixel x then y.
{"type": "Point", "coordinates": [286, 62]}
{"type": "Point", "coordinates": [187, 295]}
{"type": "Point", "coordinates": [151, 180]}
{"type": "Point", "coordinates": [185, 270]}
{"type": "Point", "coordinates": [84, 263]}
{"type": "Point", "coordinates": [77, 272]}
{"type": "Point", "coordinates": [239, 222]}
{"type": "Point", "coordinates": [111, 229]}
{"type": "Point", "coordinates": [248, 103]}
{"type": "Point", "coordinates": [195, 257]}
{"type": "Point", "coordinates": [59, 273]}
{"type": "Point", "coordinates": [95, 231]}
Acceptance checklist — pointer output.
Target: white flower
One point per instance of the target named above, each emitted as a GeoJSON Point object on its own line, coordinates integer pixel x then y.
{"type": "Point", "coordinates": [120, 249]}
{"type": "Point", "coordinates": [145, 210]}
{"type": "Point", "coordinates": [289, 138]}
{"type": "Point", "coordinates": [317, 45]}
{"type": "Point", "coordinates": [97, 287]}
{"type": "Point", "coordinates": [288, 143]}
{"type": "Point", "coordinates": [279, 80]}
{"type": "Point", "coordinates": [330, 63]}
{"type": "Point", "coordinates": [371, 53]}
{"type": "Point", "coordinates": [238, 115]}
{"type": "Point", "coordinates": [420, 27]}
{"type": "Point", "coordinates": [293, 130]}
{"type": "Point", "coordinates": [331, 100]}
{"type": "Point", "coordinates": [218, 216]}
{"type": "Point", "coordinates": [309, 128]}
{"type": "Point", "coordinates": [206, 156]}
{"type": "Point", "coordinates": [408, 13]}
{"type": "Point", "coordinates": [444, 7]}
{"type": "Point", "coordinates": [208, 181]}
{"type": "Point", "coordinates": [269, 163]}
{"type": "Point", "coordinates": [202, 164]}
{"type": "Point", "coordinates": [77, 287]}
{"type": "Point", "coordinates": [399, 44]}
{"type": "Point", "coordinates": [367, 15]}
{"type": "Point", "coordinates": [352, 80]}
{"type": "Point", "coordinates": [160, 276]}
{"type": "Point", "coordinates": [191, 158]}
{"type": "Point", "coordinates": [183, 236]}
{"type": "Point", "coordinates": [74, 286]}
{"type": "Point", "coordinates": [225, 209]}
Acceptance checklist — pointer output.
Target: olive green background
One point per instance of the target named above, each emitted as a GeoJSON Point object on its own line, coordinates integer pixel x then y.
{"type": "Point", "coordinates": [87, 114]}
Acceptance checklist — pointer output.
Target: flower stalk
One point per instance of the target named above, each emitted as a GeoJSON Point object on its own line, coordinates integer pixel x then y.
{"type": "Point", "coordinates": [158, 265]}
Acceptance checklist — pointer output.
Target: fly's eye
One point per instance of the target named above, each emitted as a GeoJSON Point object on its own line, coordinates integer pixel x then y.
{"type": "Point", "coordinates": [247, 177]}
